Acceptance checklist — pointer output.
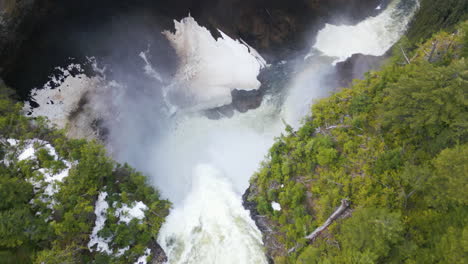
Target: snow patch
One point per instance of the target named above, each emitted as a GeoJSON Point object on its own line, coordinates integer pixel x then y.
{"type": "Point", "coordinates": [100, 210]}
{"type": "Point", "coordinates": [122, 251]}
{"type": "Point", "coordinates": [28, 153]}
{"type": "Point", "coordinates": [78, 101]}
{"type": "Point", "coordinates": [126, 213]}
{"type": "Point", "coordinates": [12, 142]}
{"type": "Point", "coordinates": [50, 179]}
{"type": "Point", "coordinates": [53, 179]}
{"type": "Point", "coordinates": [58, 103]}
{"type": "Point", "coordinates": [276, 206]}
{"type": "Point", "coordinates": [142, 259]}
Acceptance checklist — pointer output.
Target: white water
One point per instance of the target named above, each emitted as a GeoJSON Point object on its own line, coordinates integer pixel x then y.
{"type": "Point", "coordinates": [217, 157]}
{"type": "Point", "coordinates": [373, 36]}
{"type": "Point", "coordinates": [209, 69]}
{"type": "Point", "coordinates": [204, 165]}
{"type": "Point", "coordinates": [211, 226]}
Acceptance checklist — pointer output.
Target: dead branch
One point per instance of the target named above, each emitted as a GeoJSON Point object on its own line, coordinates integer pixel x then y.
{"type": "Point", "coordinates": [404, 54]}
{"type": "Point", "coordinates": [451, 41]}
{"type": "Point", "coordinates": [434, 46]}
{"type": "Point", "coordinates": [338, 212]}
{"type": "Point", "coordinates": [337, 126]}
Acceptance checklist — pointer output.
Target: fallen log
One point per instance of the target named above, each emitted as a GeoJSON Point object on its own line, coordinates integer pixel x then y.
{"type": "Point", "coordinates": [434, 47]}
{"type": "Point", "coordinates": [338, 212]}
{"type": "Point", "coordinates": [404, 54]}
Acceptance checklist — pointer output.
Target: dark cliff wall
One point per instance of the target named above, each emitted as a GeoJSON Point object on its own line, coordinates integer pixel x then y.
{"type": "Point", "coordinates": [53, 30]}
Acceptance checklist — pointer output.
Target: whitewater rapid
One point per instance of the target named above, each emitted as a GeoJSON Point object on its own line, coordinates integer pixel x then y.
{"type": "Point", "coordinates": [373, 36]}
{"type": "Point", "coordinates": [203, 166]}
{"type": "Point", "coordinates": [211, 226]}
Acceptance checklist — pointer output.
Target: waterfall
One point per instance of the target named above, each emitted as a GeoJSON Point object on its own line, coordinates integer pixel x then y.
{"type": "Point", "coordinates": [373, 36]}
{"type": "Point", "coordinates": [204, 165]}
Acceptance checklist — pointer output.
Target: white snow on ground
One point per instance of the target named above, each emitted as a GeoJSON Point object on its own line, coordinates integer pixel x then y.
{"type": "Point", "coordinates": [77, 101]}
{"type": "Point", "coordinates": [276, 206]}
{"type": "Point", "coordinates": [126, 213]}
{"type": "Point", "coordinates": [57, 104]}
{"type": "Point", "coordinates": [122, 251]}
{"type": "Point", "coordinates": [50, 178]}
{"type": "Point", "coordinates": [12, 142]}
{"type": "Point", "coordinates": [27, 153]}
{"type": "Point", "coordinates": [142, 259]}
{"type": "Point", "coordinates": [100, 210]}
{"type": "Point", "coordinates": [209, 68]}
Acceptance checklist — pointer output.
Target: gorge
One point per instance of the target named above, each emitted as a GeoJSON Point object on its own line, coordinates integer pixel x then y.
{"type": "Point", "coordinates": [194, 94]}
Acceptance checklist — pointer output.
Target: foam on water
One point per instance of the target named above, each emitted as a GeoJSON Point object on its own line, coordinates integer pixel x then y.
{"type": "Point", "coordinates": [211, 226]}
{"type": "Point", "coordinates": [373, 36]}
{"type": "Point", "coordinates": [204, 165]}
{"type": "Point", "coordinates": [209, 68]}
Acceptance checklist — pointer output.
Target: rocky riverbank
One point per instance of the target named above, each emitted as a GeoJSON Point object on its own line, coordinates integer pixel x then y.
{"type": "Point", "coordinates": [272, 248]}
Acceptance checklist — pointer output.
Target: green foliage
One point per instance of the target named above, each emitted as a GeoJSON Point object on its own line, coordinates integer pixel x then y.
{"type": "Point", "coordinates": [371, 230]}
{"type": "Point", "coordinates": [435, 15]}
{"type": "Point", "coordinates": [395, 145]}
{"type": "Point", "coordinates": [35, 230]}
{"type": "Point", "coordinates": [464, 29]}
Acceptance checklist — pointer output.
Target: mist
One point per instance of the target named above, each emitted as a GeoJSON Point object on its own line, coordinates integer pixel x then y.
{"type": "Point", "coordinates": [144, 99]}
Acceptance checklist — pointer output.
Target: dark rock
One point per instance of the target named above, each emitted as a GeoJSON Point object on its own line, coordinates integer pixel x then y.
{"type": "Point", "coordinates": [226, 111]}
{"type": "Point", "coordinates": [18, 18]}
{"type": "Point", "coordinates": [246, 100]}
{"type": "Point", "coordinates": [159, 256]}
{"type": "Point", "coordinates": [273, 79]}
{"type": "Point", "coordinates": [37, 36]}
{"type": "Point", "coordinates": [355, 67]}
{"type": "Point", "coordinates": [250, 205]}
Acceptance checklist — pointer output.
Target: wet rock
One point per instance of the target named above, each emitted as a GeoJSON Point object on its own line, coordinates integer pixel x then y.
{"type": "Point", "coordinates": [36, 36]}
{"type": "Point", "coordinates": [18, 18]}
{"type": "Point", "coordinates": [261, 222]}
{"type": "Point", "coordinates": [159, 256]}
{"type": "Point", "coordinates": [273, 80]}
{"type": "Point", "coordinates": [355, 67]}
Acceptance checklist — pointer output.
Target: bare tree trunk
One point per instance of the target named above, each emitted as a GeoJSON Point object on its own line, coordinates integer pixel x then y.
{"type": "Point", "coordinates": [434, 46]}
{"type": "Point", "coordinates": [338, 212]}
{"type": "Point", "coordinates": [404, 54]}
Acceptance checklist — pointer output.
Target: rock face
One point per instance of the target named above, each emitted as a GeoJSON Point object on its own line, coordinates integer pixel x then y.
{"type": "Point", "coordinates": [275, 27]}
{"type": "Point", "coordinates": [355, 67]}
{"type": "Point", "coordinates": [272, 25]}
{"type": "Point", "coordinates": [17, 21]}
{"type": "Point", "coordinates": [272, 247]}
{"type": "Point", "coordinates": [159, 256]}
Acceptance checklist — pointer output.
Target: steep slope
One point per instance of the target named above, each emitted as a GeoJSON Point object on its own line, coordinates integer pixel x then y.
{"type": "Point", "coordinates": [391, 150]}
{"type": "Point", "coordinates": [65, 201]}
